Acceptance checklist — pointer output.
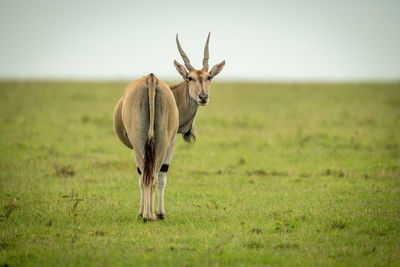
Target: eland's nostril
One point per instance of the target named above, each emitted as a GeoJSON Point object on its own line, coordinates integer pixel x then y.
{"type": "Point", "coordinates": [203, 96]}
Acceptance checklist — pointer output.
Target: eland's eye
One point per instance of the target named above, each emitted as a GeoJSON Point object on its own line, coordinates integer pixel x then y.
{"type": "Point", "coordinates": [190, 78]}
{"type": "Point", "coordinates": [209, 78]}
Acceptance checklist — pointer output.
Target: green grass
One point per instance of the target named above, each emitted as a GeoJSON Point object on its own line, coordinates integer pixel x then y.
{"type": "Point", "coordinates": [281, 174]}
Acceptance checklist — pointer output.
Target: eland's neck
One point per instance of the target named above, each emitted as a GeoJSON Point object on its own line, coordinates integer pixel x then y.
{"type": "Point", "coordinates": [187, 107]}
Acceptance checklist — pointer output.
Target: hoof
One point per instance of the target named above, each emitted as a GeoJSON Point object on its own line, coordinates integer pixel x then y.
{"type": "Point", "coordinates": [140, 216]}
{"type": "Point", "coordinates": [161, 216]}
{"type": "Point", "coordinates": [147, 220]}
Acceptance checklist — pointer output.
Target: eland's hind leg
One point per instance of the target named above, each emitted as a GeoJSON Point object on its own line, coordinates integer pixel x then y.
{"type": "Point", "coordinates": [162, 179]}
{"type": "Point", "coordinates": [152, 194]}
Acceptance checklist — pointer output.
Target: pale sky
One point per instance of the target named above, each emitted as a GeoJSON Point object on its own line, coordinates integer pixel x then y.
{"type": "Point", "coordinates": [261, 40]}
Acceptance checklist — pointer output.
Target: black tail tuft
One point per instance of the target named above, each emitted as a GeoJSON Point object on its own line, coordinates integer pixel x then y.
{"type": "Point", "coordinates": [189, 136]}
{"type": "Point", "coordinates": [149, 160]}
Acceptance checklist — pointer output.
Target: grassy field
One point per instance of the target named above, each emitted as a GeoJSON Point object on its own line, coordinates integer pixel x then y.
{"type": "Point", "coordinates": [281, 174]}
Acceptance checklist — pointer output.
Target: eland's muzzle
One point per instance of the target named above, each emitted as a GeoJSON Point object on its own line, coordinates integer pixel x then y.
{"type": "Point", "coordinates": [203, 99]}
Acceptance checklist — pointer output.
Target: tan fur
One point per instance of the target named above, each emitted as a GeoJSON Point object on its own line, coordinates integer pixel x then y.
{"type": "Point", "coordinates": [133, 115]}
{"type": "Point", "coordinates": [119, 127]}
{"type": "Point", "coordinates": [198, 81]}
{"type": "Point", "coordinates": [193, 91]}
{"type": "Point", "coordinates": [143, 113]}
{"type": "Point", "coordinates": [187, 106]}
{"type": "Point", "coordinates": [150, 153]}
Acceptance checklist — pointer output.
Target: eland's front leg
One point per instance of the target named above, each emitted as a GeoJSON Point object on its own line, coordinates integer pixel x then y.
{"type": "Point", "coordinates": [141, 196]}
{"type": "Point", "coordinates": [162, 180]}
{"type": "Point", "coordinates": [162, 183]}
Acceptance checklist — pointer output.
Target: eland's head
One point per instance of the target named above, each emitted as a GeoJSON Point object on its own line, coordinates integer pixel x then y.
{"type": "Point", "coordinates": [198, 80]}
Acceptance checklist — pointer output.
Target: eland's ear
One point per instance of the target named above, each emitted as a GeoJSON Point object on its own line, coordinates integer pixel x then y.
{"type": "Point", "coordinates": [181, 69]}
{"type": "Point", "coordinates": [217, 69]}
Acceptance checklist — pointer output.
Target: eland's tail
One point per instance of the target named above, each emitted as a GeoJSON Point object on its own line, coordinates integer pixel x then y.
{"type": "Point", "coordinates": [150, 146]}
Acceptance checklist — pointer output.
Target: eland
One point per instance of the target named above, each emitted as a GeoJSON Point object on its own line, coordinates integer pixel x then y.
{"type": "Point", "coordinates": [150, 114]}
